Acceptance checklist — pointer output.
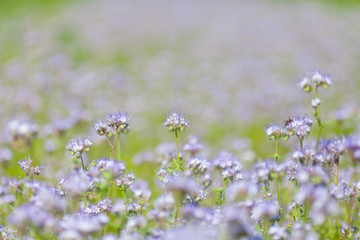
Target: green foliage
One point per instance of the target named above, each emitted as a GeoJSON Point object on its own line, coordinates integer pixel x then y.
{"type": "Point", "coordinates": [220, 195]}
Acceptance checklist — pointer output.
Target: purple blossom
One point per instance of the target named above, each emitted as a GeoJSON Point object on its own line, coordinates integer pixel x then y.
{"type": "Point", "coordinates": [175, 122]}
{"type": "Point", "coordinates": [119, 121]}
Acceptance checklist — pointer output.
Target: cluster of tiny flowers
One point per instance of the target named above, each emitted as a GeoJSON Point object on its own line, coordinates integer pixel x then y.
{"type": "Point", "coordinates": [77, 146]}
{"type": "Point", "coordinates": [25, 165]}
{"type": "Point", "coordinates": [198, 165]}
{"type": "Point", "coordinates": [126, 180]}
{"type": "Point", "coordinates": [315, 80]}
{"type": "Point", "coordinates": [304, 156]}
{"type": "Point", "coordinates": [101, 128]}
{"type": "Point", "coordinates": [277, 132]}
{"type": "Point", "coordinates": [175, 122]}
{"type": "Point", "coordinates": [229, 166]}
{"type": "Point", "coordinates": [114, 167]}
{"type": "Point", "coordinates": [300, 126]}
{"type": "Point", "coordinates": [119, 121]}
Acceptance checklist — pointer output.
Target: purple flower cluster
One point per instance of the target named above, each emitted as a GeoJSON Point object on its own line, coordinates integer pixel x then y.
{"type": "Point", "coordinates": [175, 122]}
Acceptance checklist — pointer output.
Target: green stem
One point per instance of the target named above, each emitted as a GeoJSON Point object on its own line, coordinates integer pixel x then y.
{"type": "Point", "coordinates": [119, 149]}
{"type": "Point", "coordinates": [114, 191]}
{"type": "Point", "coordinates": [338, 227]}
{"type": "Point", "coordinates": [82, 163]}
{"type": "Point", "coordinates": [177, 149]}
{"type": "Point", "coordinates": [301, 144]}
{"type": "Point", "coordinates": [71, 205]}
{"type": "Point", "coordinates": [276, 179]}
{"type": "Point", "coordinates": [108, 140]}
{"type": "Point", "coordinates": [109, 187]}
{"type": "Point", "coordinates": [177, 211]}
{"type": "Point", "coordinates": [125, 200]}
{"type": "Point", "coordinates": [337, 218]}
{"type": "Point", "coordinates": [318, 120]}
{"type": "Point", "coordinates": [114, 145]}
{"type": "Point", "coordinates": [85, 200]}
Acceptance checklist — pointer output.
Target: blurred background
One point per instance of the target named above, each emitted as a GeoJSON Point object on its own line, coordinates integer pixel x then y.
{"type": "Point", "coordinates": [230, 67]}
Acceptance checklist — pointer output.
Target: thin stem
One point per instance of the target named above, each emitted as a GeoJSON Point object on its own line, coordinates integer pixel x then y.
{"type": "Point", "coordinates": [125, 200]}
{"type": "Point", "coordinates": [109, 187]}
{"type": "Point", "coordinates": [338, 227]}
{"type": "Point", "coordinates": [114, 192]}
{"type": "Point", "coordinates": [337, 218]}
{"type": "Point", "coordinates": [85, 200]}
{"type": "Point", "coordinates": [177, 148]}
{"type": "Point", "coordinates": [276, 179]}
{"type": "Point", "coordinates": [177, 211]}
{"type": "Point", "coordinates": [301, 144]}
{"type": "Point", "coordinates": [107, 139]}
{"type": "Point", "coordinates": [318, 120]}
{"type": "Point", "coordinates": [70, 205]}
{"type": "Point", "coordinates": [119, 149]}
{"type": "Point", "coordinates": [352, 201]}
{"type": "Point", "coordinates": [82, 163]}
{"type": "Point", "coordinates": [114, 145]}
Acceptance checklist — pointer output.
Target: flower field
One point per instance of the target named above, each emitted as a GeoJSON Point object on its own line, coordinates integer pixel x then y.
{"type": "Point", "coordinates": [179, 120]}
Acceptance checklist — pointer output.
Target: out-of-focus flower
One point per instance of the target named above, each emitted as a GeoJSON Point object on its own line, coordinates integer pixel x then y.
{"type": "Point", "coordinates": [193, 146]}
{"type": "Point", "coordinates": [306, 84]}
{"type": "Point", "coordinates": [77, 183]}
{"type": "Point", "coordinates": [277, 232]}
{"type": "Point", "coordinates": [135, 222]}
{"type": "Point", "coordinates": [31, 215]}
{"type": "Point", "coordinates": [25, 165]}
{"type": "Point", "coordinates": [126, 180]}
{"type": "Point", "coordinates": [22, 132]}
{"type": "Point", "coordinates": [181, 185]}
{"type": "Point", "coordinates": [315, 80]}
{"type": "Point", "coordinates": [5, 155]}
{"type": "Point", "coordinates": [79, 226]}
{"type": "Point", "coordinates": [265, 210]}
{"type": "Point", "coordinates": [352, 145]}
{"type": "Point", "coordinates": [241, 190]}
{"type": "Point", "coordinates": [320, 80]}
{"type": "Point", "coordinates": [229, 165]}
{"type": "Point", "coordinates": [315, 103]}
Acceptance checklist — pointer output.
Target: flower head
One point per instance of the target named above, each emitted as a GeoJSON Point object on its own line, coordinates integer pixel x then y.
{"type": "Point", "coordinates": [25, 165]}
{"type": "Point", "coordinates": [175, 122]}
{"type": "Point", "coordinates": [306, 84]}
{"type": "Point", "coordinates": [101, 128]}
{"type": "Point", "coordinates": [315, 103]}
{"type": "Point", "coordinates": [126, 180]}
{"type": "Point", "coordinates": [198, 165]}
{"type": "Point", "coordinates": [320, 80]}
{"type": "Point", "coordinates": [300, 126]}
{"type": "Point", "coordinates": [315, 80]}
{"type": "Point", "coordinates": [77, 146]}
{"type": "Point", "coordinates": [119, 121]}
{"type": "Point", "coordinates": [276, 131]}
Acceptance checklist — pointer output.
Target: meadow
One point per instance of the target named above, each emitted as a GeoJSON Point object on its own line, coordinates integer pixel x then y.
{"type": "Point", "coordinates": [179, 120]}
